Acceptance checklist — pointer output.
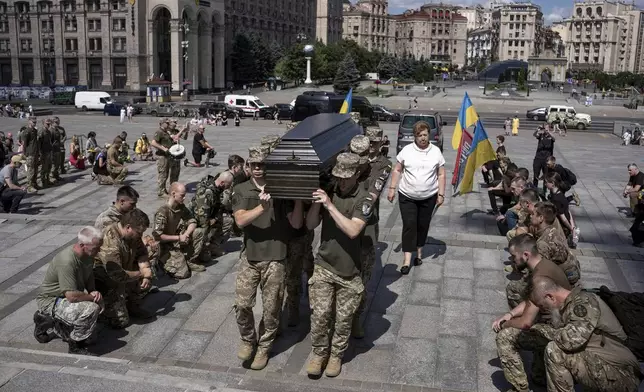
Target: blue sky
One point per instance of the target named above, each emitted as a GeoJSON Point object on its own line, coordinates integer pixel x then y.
{"type": "Point", "coordinates": [553, 10]}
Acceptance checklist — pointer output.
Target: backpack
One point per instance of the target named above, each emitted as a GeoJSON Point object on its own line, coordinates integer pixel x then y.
{"type": "Point", "coordinates": [629, 310]}
{"type": "Point", "coordinates": [571, 177]}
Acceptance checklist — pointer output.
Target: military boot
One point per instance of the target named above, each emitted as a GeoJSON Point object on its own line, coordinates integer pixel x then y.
{"type": "Point", "coordinates": [44, 324]}
{"type": "Point", "coordinates": [334, 367]}
{"type": "Point", "coordinates": [245, 351]}
{"type": "Point", "coordinates": [314, 367]}
{"type": "Point", "coordinates": [196, 267]}
{"type": "Point", "coordinates": [357, 331]}
{"type": "Point", "coordinates": [79, 348]}
{"type": "Point", "coordinates": [261, 359]}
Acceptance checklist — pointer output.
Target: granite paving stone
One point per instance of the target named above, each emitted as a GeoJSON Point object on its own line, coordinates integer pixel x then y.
{"type": "Point", "coordinates": [457, 317]}
{"type": "Point", "coordinates": [459, 268]}
{"type": "Point", "coordinates": [187, 345]}
{"type": "Point", "coordinates": [455, 363]}
{"type": "Point", "coordinates": [414, 362]}
{"type": "Point", "coordinates": [424, 293]}
{"type": "Point", "coordinates": [458, 288]}
{"type": "Point", "coordinates": [154, 337]}
{"type": "Point", "coordinates": [420, 322]}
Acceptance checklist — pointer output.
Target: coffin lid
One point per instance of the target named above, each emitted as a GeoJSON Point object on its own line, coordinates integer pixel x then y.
{"type": "Point", "coordinates": [315, 141]}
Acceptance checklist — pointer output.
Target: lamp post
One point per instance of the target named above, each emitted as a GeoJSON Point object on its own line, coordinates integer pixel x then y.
{"type": "Point", "coordinates": [308, 53]}
{"type": "Point", "coordinates": [185, 44]}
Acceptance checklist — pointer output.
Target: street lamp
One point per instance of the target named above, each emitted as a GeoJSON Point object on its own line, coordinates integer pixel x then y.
{"type": "Point", "coordinates": [185, 44]}
{"type": "Point", "coordinates": [308, 53]}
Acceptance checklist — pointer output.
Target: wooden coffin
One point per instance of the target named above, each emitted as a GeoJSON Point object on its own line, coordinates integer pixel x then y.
{"type": "Point", "coordinates": [304, 158]}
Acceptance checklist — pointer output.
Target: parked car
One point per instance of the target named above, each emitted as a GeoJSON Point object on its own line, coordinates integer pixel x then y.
{"type": "Point", "coordinates": [410, 118]}
{"type": "Point", "coordinates": [163, 110]}
{"type": "Point", "coordinates": [382, 113]}
{"type": "Point", "coordinates": [268, 113]}
{"type": "Point", "coordinates": [216, 107]}
{"type": "Point", "coordinates": [538, 114]}
{"type": "Point", "coordinates": [112, 109]}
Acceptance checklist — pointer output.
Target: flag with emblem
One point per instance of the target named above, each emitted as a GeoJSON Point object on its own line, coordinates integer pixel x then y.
{"type": "Point", "coordinates": [466, 118]}
{"type": "Point", "coordinates": [481, 152]}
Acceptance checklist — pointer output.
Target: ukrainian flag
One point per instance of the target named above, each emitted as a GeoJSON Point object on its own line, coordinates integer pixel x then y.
{"type": "Point", "coordinates": [346, 105]}
{"type": "Point", "coordinates": [480, 153]}
{"type": "Point", "coordinates": [466, 118]}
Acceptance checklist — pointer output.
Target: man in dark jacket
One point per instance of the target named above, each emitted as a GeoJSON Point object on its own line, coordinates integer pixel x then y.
{"type": "Point", "coordinates": [545, 149]}
{"type": "Point", "coordinates": [567, 176]}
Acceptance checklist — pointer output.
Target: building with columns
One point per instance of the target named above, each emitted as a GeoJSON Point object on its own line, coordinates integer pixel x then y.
{"type": "Point", "coordinates": [369, 24]}
{"type": "Point", "coordinates": [328, 25]}
{"type": "Point", "coordinates": [517, 28]}
{"type": "Point", "coordinates": [111, 45]}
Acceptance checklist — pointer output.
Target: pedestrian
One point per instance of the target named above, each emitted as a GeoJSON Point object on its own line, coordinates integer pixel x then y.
{"type": "Point", "coordinates": [123, 112]}
{"type": "Point", "coordinates": [238, 120]}
{"type": "Point", "coordinates": [59, 156]}
{"type": "Point", "coordinates": [168, 168]}
{"type": "Point", "coordinates": [385, 147]}
{"type": "Point", "coordinates": [634, 187]}
{"type": "Point", "coordinates": [515, 126]}
{"type": "Point", "coordinates": [421, 173]}
{"type": "Point", "coordinates": [68, 302]}
{"type": "Point", "coordinates": [91, 147]}
{"type": "Point", "coordinates": [545, 149]}
{"type": "Point", "coordinates": [130, 112]}
{"type": "Point", "coordinates": [11, 194]}
{"type": "Point", "coordinates": [200, 147]}
{"type": "Point", "coordinates": [266, 223]}
{"type": "Point", "coordinates": [336, 287]}
{"type": "Point", "coordinates": [507, 125]}
{"type": "Point", "coordinates": [45, 139]}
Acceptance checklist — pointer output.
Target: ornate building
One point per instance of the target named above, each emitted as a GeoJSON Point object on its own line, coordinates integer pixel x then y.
{"type": "Point", "coordinates": [517, 29]}
{"type": "Point", "coordinates": [479, 45]}
{"type": "Point", "coordinates": [111, 44]}
{"type": "Point", "coordinates": [328, 25]}
{"type": "Point", "coordinates": [369, 24]}
{"type": "Point", "coordinates": [435, 32]}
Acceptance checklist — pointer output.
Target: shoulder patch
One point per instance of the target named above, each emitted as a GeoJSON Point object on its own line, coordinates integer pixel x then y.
{"type": "Point", "coordinates": [366, 208]}
{"type": "Point", "coordinates": [379, 185]}
{"type": "Point", "coordinates": [580, 311]}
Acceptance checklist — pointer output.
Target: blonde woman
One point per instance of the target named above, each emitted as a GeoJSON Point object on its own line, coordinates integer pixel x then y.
{"type": "Point", "coordinates": [76, 159]}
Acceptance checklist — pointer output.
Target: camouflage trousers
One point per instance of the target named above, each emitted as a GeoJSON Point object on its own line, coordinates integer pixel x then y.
{"type": "Point", "coordinates": [269, 277]}
{"type": "Point", "coordinates": [117, 173]}
{"type": "Point", "coordinates": [167, 168]}
{"type": "Point", "coordinates": [299, 258]}
{"type": "Point", "coordinates": [119, 299]}
{"type": "Point", "coordinates": [509, 343]}
{"type": "Point", "coordinates": [174, 259]}
{"type": "Point", "coordinates": [222, 230]}
{"type": "Point", "coordinates": [592, 372]}
{"type": "Point", "coordinates": [45, 167]}
{"type": "Point", "coordinates": [58, 158]}
{"type": "Point", "coordinates": [198, 241]}
{"type": "Point", "coordinates": [515, 292]}
{"type": "Point", "coordinates": [32, 170]}
{"type": "Point", "coordinates": [80, 316]}
{"type": "Point", "coordinates": [334, 301]}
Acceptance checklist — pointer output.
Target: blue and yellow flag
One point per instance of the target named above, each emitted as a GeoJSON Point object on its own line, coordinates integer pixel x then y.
{"type": "Point", "coordinates": [480, 153]}
{"type": "Point", "coordinates": [346, 105]}
{"type": "Point", "coordinates": [466, 118]}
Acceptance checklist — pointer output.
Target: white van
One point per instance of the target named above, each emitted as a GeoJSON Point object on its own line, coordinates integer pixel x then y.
{"type": "Point", "coordinates": [246, 104]}
{"type": "Point", "coordinates": [91, 100]}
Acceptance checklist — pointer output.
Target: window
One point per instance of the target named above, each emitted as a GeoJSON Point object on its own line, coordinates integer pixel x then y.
{"type": "Point", "coordinates": [119, 76]}
{"type": "Point", "coordinates": [22, 7]}
{"type": "Point", "coordinates": [94, 25]}
{"type": "Point", "coordinates": [69, 5]}
{"type": "Point", "coordinates": [25, 46]}
{"type": "Point", "coordinates": [44, 7]}
{"type": "Point", "coordinates": [119, 44]}
{"type": "Point", "coordinates": [25, 26]}
{"type": "Point", "coordinates": [48, 45]}
{"type": "Point", "coordinates": [4, 45]}
{"type": "Point", "coordinates": [118, 24]}
{"type": "Point", "coordinates": [47, 26]}
{"type": "Point", "coordinates": [4, 26]}
{"type": "Point", "coordinates": [96, 44]}
{"type": "Point", "coordinates": [118, 5]}
{"type": "Point", "coordinates": [3, 8]}
{"type": "Point", "coordinates": [71, 25]}
{"type": "Point", "coordinates": [71, 44]}
{"type": "Point", "coordinates": [93, 5]}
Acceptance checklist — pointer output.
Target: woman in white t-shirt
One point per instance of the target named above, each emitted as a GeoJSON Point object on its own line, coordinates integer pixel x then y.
{"type": "Point", "coordinates": [421, 173]}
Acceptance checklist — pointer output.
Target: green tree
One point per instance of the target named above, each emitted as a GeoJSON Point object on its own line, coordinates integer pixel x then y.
{"type": "Point", "coordinates": [261, 58]}
{"type": "Point", "coordinates": [275, 54]}
{"type": "Point", "coordinates": [292, 66]}
{"type": "Point", "coordinates": [387, 67]}
{"type": "Point", "coordinates": [347, 76]}
{"type": "Point", "coordinates": [521, 79]}
{"type": "Point", "coordinates": [243, 63]}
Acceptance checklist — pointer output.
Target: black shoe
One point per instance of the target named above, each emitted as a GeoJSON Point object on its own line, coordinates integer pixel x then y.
{"type": "Point", "coordinates": [185, 162]}
{"type": "Point", "coordinates": [405, 269]}
{"type": "Point", "coordinates": [43, 323]}
{"type": "Point", "coordinates": [418, 261]}
{"type": "Point", "coordinates": [80, 349]}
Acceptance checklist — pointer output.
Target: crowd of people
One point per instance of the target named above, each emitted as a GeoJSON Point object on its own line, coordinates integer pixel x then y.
{"type": "Point", "coordinates": [573, 334]}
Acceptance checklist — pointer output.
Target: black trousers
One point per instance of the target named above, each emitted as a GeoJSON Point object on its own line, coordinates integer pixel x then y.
{"type": "Point", "coordinates": [196, 155]}
{"type": "Point", "coordinates": [11, 199]}
{"type": "Point", "coordinates": [505, 197]}
{"type": "Point", "coordinates": [538, 167]}
{"type": "Point", "coordinates": [416, 216]}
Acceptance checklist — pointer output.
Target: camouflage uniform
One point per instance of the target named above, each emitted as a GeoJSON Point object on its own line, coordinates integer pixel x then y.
{"type": "Point", "coordinates": [108, 217]}
{"type": "Point", "coordinates": [117, 173]}
{"type": "Point", "coordinates": [509, 342]}
{"type": "Point", "coordinates": [61, 155]}
{"type": "Point", "coordinates": [336, 288]}
{"type": "Point", "coordinates": [205, 205]}
{"type": "Point", "coordinates": [167, 167]}
{"type": "Point", "coordinates": [29, 138]}
{"type": "Point", "coordinates": [46, 148]}
{"type": "Point", "coordinates": [55, 154]}
{"type": "Point", "coordinates": [270, 141]}
{"type": "Point", "coordinates": [173, 256]}
{"type": "Point", "coordinates": [522, 221]}
{"type": "Point", "coordinates": [355, 116]}
{"type": "Point", "coordinates": [262, 262]}
{"type": "Point", "coordinates": [555, 248]}
{"type": "Point", "coordinates": [121, 293]}
{"type": "Point", "coordinates": [587, 349]}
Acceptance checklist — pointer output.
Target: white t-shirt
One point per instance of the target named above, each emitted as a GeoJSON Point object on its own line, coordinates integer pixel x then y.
{"type": "Point", "coordinates": [420, 171]}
